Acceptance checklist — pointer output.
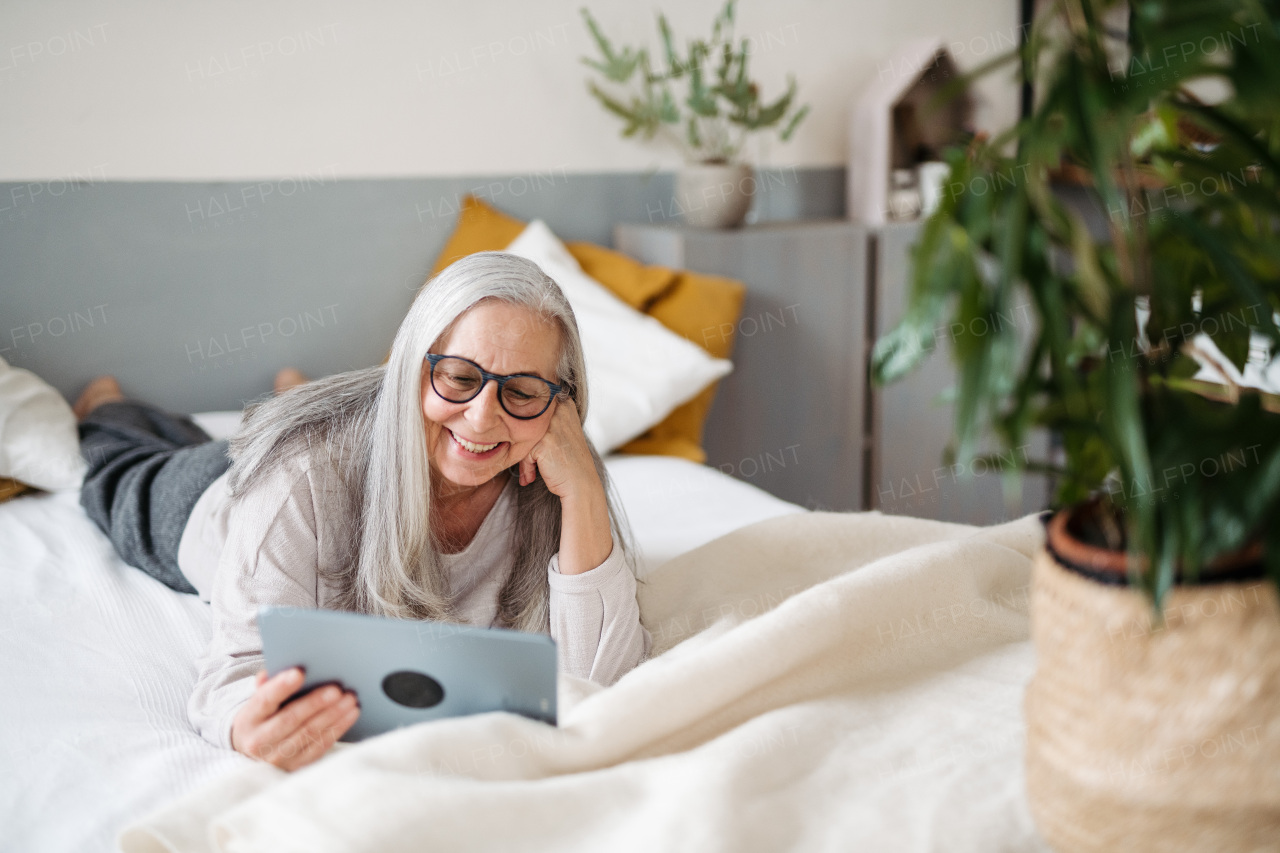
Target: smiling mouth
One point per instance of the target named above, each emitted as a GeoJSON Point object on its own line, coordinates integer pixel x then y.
{"type": "Point", "coordinates": [471, 446]}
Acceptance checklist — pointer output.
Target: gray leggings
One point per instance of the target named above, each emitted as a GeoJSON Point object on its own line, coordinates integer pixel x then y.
{"type": "Point", "coordinates": [147, 468]}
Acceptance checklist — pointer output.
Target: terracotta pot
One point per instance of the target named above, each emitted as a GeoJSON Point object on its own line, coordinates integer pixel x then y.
{"type": "Point", "coordinates": [714, 195]}
{"type": "Point", "coordinates": [1064, 533]}
{"type": "Point", "coordinates": [1145, 737]}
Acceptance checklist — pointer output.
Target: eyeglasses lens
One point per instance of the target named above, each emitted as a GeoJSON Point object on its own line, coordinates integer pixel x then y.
{"type": "Point", "coordinates": [458, 381]}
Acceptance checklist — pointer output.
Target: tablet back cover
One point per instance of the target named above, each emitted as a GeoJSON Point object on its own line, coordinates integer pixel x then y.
{"type": "Point", "coordinates": [407, 671]}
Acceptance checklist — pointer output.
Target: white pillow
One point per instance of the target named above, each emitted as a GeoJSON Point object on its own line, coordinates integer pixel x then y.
{"type": "Point", "coordinates": [219, 424]}
{"type": "Point", "coordinates": [39, 444]}
{"type": "Point", "coordinates": [638, 370]}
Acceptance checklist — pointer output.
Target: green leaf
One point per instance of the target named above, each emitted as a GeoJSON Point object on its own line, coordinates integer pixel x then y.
{"type": "Point", "coordinates": [674, 66]}
{"type": "Point", "coordinates": [722, 26]}
{"type": "Point", "coordinates": [939, 260]}
{"type": "Point", "coordinates": [1091, 282]}
{"type": "Point", "coordinates": [794, 123]}
{"type": "Point", "coordinates": [695, 139]}
{"type": "Point", "coordinates": [611, 104]}
{"type": "Point", "coordinates": [1230, 268]}
{"type": "Point", "coordinates": [667, 110]}
{"type": "Point", "coordinates": [769, 115]}
{"type": "Point", "coordinates": [898, 351]}
{"type": "Point", "coordinates": [617, 67]}
{"type": "Point", "coordinates": [702, 101]}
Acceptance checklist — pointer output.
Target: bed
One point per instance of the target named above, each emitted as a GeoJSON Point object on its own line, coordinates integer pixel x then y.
{"type": "Point", "coordinates": [821, 681]}
{"type": "Point", "coordinates": [818, 681]}
{"type": "Point", "coordinates": [99, 658]}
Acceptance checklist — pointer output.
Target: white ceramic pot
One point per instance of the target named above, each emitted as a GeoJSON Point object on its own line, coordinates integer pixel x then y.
{"type": "Point", "coordinates": [714, 195]}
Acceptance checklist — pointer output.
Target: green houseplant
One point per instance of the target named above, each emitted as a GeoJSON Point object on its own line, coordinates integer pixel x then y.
{"type": "Point", "coordinates": [702, 99]}
{"type": "Point", "coordinates": [1168, 485]}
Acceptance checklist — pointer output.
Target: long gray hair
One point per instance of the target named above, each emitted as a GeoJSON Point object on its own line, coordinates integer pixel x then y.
{"type": "Point", "coordinates": [369, 424]}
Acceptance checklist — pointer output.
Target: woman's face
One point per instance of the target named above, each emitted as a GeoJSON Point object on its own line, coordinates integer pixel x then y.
{"type": "Point", "coordinates": [504, 339]}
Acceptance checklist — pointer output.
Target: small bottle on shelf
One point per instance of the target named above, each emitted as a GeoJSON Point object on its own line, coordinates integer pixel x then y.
{"type": "Point", "coordinates": [904, 196]}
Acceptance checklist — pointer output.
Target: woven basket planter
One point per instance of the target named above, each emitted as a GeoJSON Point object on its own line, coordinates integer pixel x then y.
{"type": "Point", "coordinates": [1143, 738]}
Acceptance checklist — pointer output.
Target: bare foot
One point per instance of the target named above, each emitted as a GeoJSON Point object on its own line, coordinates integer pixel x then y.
{"type": "Point", "coordinates": [104, 389]}
{"type": "Point", "coordinates": [289, 377]}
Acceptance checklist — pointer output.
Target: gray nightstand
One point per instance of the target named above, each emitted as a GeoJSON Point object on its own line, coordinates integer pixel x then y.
{"type": "Point", "coordinates": [797, 416]}
{"type": "Point", "coordinates": [790, 417]}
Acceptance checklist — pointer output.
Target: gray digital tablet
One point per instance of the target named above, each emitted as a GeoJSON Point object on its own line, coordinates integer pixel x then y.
{"type": "Point", "coordinates": [405, 671]}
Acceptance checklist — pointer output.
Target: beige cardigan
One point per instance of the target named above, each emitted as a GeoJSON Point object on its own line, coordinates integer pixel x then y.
{"type": "Point", "coordinates": [267, 549]}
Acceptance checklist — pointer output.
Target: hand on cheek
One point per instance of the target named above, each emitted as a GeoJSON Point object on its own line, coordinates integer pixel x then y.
{"type": "Point", "coordinates": [529, 464]}
{"type": "Point", "coordinates": [528, 470]}
{"type": "Point", "coordinates": [562, 456]}
{"type": "Point", "coordinates": [564, 461]}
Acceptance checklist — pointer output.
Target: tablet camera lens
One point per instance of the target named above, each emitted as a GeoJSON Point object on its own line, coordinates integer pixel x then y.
{"type": "Point", "coordinates": [413, 689]}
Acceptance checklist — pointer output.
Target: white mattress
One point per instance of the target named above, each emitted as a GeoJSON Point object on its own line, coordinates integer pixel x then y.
{"type": "Point", "coordinates": [97, 659]}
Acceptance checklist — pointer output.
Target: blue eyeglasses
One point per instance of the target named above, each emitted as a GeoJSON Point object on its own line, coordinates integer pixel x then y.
{"type": "Point", "coordinates": [521, 395]}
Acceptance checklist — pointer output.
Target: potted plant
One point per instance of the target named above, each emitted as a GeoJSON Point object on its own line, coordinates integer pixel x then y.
{"type": "Point", "coordinates": [709, 121]}
{"type": "Point", "coordinates": [1153, 717]}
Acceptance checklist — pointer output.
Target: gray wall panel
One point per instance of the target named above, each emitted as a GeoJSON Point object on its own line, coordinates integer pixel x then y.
{"type": "Point", "coordinates": [195, 294]}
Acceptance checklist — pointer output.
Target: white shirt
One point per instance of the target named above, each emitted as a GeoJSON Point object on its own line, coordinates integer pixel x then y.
{"type": "Point", "coordinates": [268, 548]}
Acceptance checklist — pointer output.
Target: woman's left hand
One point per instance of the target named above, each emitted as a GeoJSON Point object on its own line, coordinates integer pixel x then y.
{"type": "Point", "coordinates": [563, 458]}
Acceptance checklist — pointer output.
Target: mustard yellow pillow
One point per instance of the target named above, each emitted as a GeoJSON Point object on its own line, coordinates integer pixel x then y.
{"type": "Point", "coordinates": [11, 488]}
{"type": "Point", "coordinates": [480, 228]}
{"type": "Point", "coordinates": [701, 308]}
{"type": "Point", "coordinates": [634, 283]}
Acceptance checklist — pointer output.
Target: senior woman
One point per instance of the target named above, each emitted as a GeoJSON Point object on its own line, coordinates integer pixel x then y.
{"type": "Point", "coordinates": [454, 483]}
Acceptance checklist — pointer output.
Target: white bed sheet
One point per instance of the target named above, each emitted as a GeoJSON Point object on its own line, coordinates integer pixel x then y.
{"type": "Point", "coordinates": [97, 659]}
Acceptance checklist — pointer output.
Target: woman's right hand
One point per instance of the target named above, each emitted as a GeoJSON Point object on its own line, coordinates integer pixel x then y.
{"type": "Point", "coordinates": [298, 734]}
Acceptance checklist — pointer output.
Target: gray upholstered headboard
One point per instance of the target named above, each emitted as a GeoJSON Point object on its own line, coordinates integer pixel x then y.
{"type": "Point", "coordinates": [194, 295]}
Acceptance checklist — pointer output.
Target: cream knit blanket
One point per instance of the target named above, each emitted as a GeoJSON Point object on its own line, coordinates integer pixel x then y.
{"type": "Point", "coordinates": [819, 682]}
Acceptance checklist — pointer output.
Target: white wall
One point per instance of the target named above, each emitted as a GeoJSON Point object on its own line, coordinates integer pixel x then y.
{"type": "Point", "coordinates": [242, 90]}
